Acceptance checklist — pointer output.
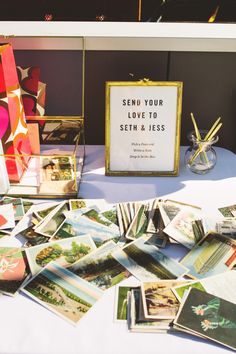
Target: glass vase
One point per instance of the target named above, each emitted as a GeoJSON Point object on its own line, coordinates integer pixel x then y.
{"type": "Point", "coordinates": [200, 157]}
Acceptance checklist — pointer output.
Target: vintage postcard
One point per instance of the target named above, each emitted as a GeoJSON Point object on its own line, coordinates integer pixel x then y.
{"type": "Point", "coordinates": [31, 238]}
{"type": "Point", "coordinates": [147, 263]}
{"type": "Point", "coordinates": [82, 225]}
{"type": "Point", "coordinates": [100, 267]}
{"type": "Point", "coordinates": [98, 204]}
{"type": "Point", "coordinates": [53, 220]}
{"type": "Point", "coordinates": [62, 292]}
{"type": "Point", "coordinates": [7, 220]}
{"type": "Point", "coordinates": [121, 302]}
{"type": "Point", "coordinates": [157, 240]}
{"type": "Point", "coordinates": [26, 221]}
{"type": "Point", "coordinates": [14, 269]}
{"type": "Point", "coordinates": [64, 252]}
{"type": "Point", "coordinates": [227, 227]}
{"type": "Point", "coordinates": [155, 221]}
{"type": "Point", "coordinates": [181, 227]}
{"type": "Point", "coordinates": [57, 175]}
{"type": "Point", "coordinates": [18, 207]}
{"type": "Point", "coordinates": [98, 217]}
{"type": "Point", "coordinates": [228, 211]}
{"type": "Point", "coordinates": [222, 285]}
{"type": "Point", "coordinates": [214, 254]}
{"type": "Point", "coordinates": [41, 214]}
{"type": "Point", "coordinates": [125, 215]}
{"type": "Point", "coordinates": [170, 208]}
{"type": "Point", "coordinates": [208, 316]}
{"type": "Point", "coordinates": [138, 225]}
{"type": "Point", "coordinates": [26, 205]}
{"type": "Point", "coordinates": [159, 301]}
{"type": "Point", "coordinates": [110, 213]}
{"type": "Point", "coordinates": [77, 204]}
{"type": "Point", "coordinates": [4, 233]}
{"type": "Point", "coordinates": [136, 319]}
{"type": "Point", "coordinates": [156, 226]}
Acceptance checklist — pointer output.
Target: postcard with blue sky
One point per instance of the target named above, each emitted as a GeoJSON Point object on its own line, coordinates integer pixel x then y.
{"type": "Point", "coordinates": [62, 292]}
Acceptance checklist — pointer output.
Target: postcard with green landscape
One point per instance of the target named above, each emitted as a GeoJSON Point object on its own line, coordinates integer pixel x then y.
{"type": "Point", "coordinates": [64, 252]}
{"type": "Point", "coordinates": [82, 225]}
{"type": "Point", "coordinates": [222, 285]}
{"type": "Point", "coordinates": [214, 254]}
{"type": "Point", "coordinates": [62, 292]}
{"type": "Point", "coordinates": [101, 268]}
{"type": "Point", "coordinates": [147, 263]}
{"type": "Point", "coordinates": [53, 220]}
{"type": "Point", "coordinates": [121, 302]}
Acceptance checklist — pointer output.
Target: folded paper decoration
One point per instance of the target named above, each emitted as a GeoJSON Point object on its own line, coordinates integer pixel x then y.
{"type": "Point", "coordinates": [29, 83]}
{"type": "Point", "coordinates": [41, 98]}
{"type": "Point", "coordinates": [13, 128]}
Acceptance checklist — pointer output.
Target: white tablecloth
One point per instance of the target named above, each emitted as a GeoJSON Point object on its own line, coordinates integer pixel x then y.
{"type": "Point", "coordinates": [27, 327]}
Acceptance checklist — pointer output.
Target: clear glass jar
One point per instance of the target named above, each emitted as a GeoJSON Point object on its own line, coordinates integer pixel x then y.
{"type": "Point", "coordinates": [200, 157]}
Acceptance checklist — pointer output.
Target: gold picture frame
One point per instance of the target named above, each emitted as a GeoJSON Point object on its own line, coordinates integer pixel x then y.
{"type": "Point", "coordinates": [141, 117]}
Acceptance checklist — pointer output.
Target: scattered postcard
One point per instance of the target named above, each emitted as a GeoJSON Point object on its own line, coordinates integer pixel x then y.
{"type": "Point", "coordinates": [94, 215]}
{"type": "Point", "coordinates": [18, 207]}
{"type": "Point", "coordinates": [209, 316]}
{"type": "Point", "coordinates": [82, 225]}
{"type": "Point", "coordinates": [222, 285]}
{"type": "Point", "coordinates": [42, 213]}
{"type": "Point", "coordinates": [136, 319]}
{"type": "Point", "coordinates": [77, 204]}
{"type": "Point", "coordinates": [228, 211]}
{"type": "Point", "coordinates": [14, 269]}
{"type": "Point", "coordinates": [62, 292]}
{"type": "Point", "coordinates": [181, 228]}
{"type": "Point", "coordinates": [125, 214]}
{"type": "Point", "coordinates": [138, 225]}
{"type": "Point", "coordinates": [64, 252]}
{"type": "Point", "coordinates": [57, 175]}
{"type": "Point", "coordinates": [170, 208]}
{"type": "Point", "coordinates": [227, 227]}
{"type": "Point", "coordinates": [155, 220]}
{"type": "Point", "coordinates": [214, 254]}
{"type": "Point", "coordinates": [111, 214]}
{"type": "Point", "coordinates": [159, 301]}
{"type": "Point", "coordinates": [121, 302]}
{"type": "Point", "coordinates": [101, 204]}
{"type": "Point", "coordinates": [26, 205]}
{"type": "Point", "coordinates": [7, 220]}
{"type": "Point", "coordinates": [147, 263]}
{"type": "Point", "coordinates": [26, 221]}
{"type": "Point", "coordinates": [156, 226]}
{"type": "Point", "coordinates": [4, 233]}
{"type": "Point", "coordinates": [53, 220]}
{"type": "Point", "coordinates": [100, 267]}
{"type": "Point", "coordinates": [31, 238]}
{"type": "Point", "coordinates": [157, 240]}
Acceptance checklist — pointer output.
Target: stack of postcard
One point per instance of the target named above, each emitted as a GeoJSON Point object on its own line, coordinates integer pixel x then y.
{"type": "Point", "coordinates": [72, 251]}
{"type": "Point", "coordinates": [205, 308]}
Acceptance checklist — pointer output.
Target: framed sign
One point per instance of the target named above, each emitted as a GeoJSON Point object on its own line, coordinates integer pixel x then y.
{"type": "Point", "coordinates": [143, 128]}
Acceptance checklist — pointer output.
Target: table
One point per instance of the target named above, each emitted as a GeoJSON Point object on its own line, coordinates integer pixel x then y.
{"type": "Point", "coordinates": [28, 328]}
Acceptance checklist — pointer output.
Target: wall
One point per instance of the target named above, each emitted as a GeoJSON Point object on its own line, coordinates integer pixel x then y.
{"type": "Point", "coordinates": [209, 84]}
